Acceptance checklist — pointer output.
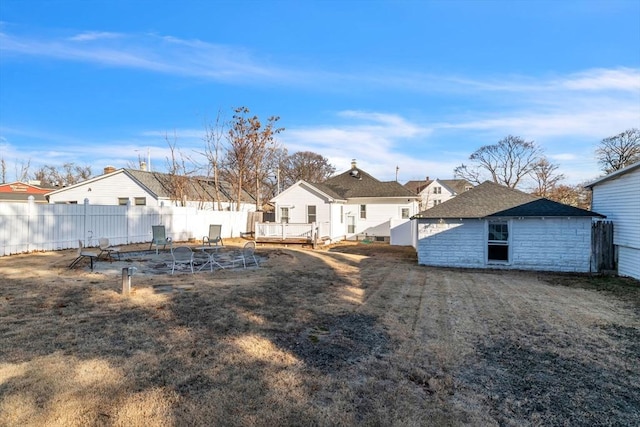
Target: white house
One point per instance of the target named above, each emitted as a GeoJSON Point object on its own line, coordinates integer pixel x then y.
{"type": "Point", "coordinates": [434, 192]}
{"type": "Point", "coordinates": [351, 205]}
{"type": "Point", "coordinates": [142, 188]}
{"type": "Point", "coordinates": [617, 195]}
{"type": "Point", "coordinates": [492, 226]}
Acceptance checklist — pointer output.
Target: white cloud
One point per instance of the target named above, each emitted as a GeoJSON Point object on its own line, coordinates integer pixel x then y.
{"type": "Point", "coordinates": [95, 35]}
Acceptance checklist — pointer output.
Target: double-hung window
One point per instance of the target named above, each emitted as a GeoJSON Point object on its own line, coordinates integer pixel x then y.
{"type": "Point", "coordinates": [284, 215]}
{"type": "Point", "coordinates": [311, 214]}
{"type": "Point", "coordinates": [498, 241]}
{"type": "Point", "coordinates": [363, 211]}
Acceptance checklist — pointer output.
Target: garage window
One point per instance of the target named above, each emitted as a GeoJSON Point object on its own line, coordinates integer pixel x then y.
{"type": "Point", "coordinates": [498, 242]}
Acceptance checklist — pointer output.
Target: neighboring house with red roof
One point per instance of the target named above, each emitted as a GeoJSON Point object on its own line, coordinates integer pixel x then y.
{"type": "Point", "coordinates": [21, 191]}
{"type": "Point", "coordinates": [352, 205]}
{"type": "Point", "coordinates": [436, 191]}
{"type": "Point", "coordinates": [493, 226]}
{"type": "Point", "coordinates": [617, 195]}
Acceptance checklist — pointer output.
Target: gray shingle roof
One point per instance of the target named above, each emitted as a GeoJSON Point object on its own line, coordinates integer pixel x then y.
{"type": "Point", "coordinates": [195, 188]}
{"type": "Point", "coordinates": [493, 200]}
{"type": "Point", "coordinates": [358, 183]}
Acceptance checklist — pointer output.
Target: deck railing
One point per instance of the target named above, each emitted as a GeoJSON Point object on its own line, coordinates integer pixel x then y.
{"type": "Point", "coordinates": [291, 231]}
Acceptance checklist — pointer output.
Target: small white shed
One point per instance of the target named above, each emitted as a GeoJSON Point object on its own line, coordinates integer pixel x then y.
{"type": "Point", "coordinates": [492, 226]}
{"type": "Point", "coordinates": [617, 196]}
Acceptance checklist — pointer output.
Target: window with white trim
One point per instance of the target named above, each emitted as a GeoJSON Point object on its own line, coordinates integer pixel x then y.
{"type": "Point", "coordinates": [122, 201]}
{"type": "Point", "coordinates": [284, 215]}
{"type": "Point", "coordinates": [498, 241]}
{"type": "Point", "coordinates": [363, 211]}
{"type": "Point", "coordinates": [437, 190]}
{"type": "Point", "coordinates": [140, 201]}
{"type": "Point", "coordinates": [311, 214]}
{"type": "Point", "coordinates": [405, 213]}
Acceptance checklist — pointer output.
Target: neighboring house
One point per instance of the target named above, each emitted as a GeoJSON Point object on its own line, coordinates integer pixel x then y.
{"type": "Point", "coordinates": [20, 192]}
{"type": "Point", "coordinates": [493, 226]}
{"type": "Point", "coordinates": [617, 195]}
{"type": "Point", "coordinates": [351, 205]}
{"type": "Point", "coordinates": [434, 192]}
{"type": "Point", "coordinates": [142, 188]}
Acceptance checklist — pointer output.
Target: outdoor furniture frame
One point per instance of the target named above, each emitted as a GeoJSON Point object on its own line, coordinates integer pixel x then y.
{"type": "Point", "coordinates": [246, 254]}
{"type": "Point", "coordinates": [105, 246]}
{"type": "Point", "coordinates": [160, 238]}
{"type": "Point", "coordinates": [215, 235]}
{"type": "Point", "coordinates": [182, 255]}
{"type": "Point", "coordinates": [83, 253]}
{"type": "Point", "coordinates": [211, 252]}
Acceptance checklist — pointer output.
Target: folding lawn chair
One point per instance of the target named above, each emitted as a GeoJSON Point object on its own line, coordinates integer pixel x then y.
{"type": "Point", "coordinates": [160, 238]}
{"type": "Point", "coordinates": [215, 235]}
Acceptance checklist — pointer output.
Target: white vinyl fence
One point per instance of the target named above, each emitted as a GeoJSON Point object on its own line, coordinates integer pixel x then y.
{"type": "Point", "coordinates": [28, 227]}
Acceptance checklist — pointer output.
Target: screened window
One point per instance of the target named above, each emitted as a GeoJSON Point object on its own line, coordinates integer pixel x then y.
{"type": "Point", "coordinates": [141, 201]}
{"type": "Point", "coordinates": [284, 215]}
{"type": "Point", "coordinates": [311, 214]}
{"type": "Point", "coordinates": [363, 211]}
{"type": "Point", "coordinates": [498, 241]}
{"type": "Point", "coordinates": [123, 201]}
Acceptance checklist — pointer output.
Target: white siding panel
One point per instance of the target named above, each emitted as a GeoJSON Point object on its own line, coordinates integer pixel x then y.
{"type": "Point", "coordinates": [551, 244]}
{"type": "Point", "coordinates": [104, 192]}
{"type": "Point", "coordinates": [619, 200]}
{"type": "Point", "coordinates": [452, 243]}
{"type": "Point", "coordinates": [629, 262]}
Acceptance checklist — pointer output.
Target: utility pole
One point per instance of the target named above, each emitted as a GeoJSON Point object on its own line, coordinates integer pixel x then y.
{"type": "Point", "coordinates": [397, 169]}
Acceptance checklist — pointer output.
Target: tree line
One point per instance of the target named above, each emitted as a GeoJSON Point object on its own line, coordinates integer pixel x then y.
{"type": "Point", "coordinates": [244, 153]}
{"type": "Point", "coordinates": [512, 161]}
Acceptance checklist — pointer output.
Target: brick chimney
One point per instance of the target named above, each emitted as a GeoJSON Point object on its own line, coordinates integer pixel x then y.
{"type": "Point", "coordinates": [109, 169]}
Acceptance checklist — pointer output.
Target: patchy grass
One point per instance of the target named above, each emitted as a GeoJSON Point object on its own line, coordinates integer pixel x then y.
{"type": "Point", "coordinates": [351, 334]}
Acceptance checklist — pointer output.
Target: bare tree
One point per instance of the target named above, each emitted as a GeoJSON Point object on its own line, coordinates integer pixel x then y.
{"type": "Point", "coordinates": [506, 163]}
{"type": "Point", "coordinates": [616, 152]}
{"type": "Point", "coordinates": [3, 167]}
{"type": "Point", "coordinates": [214, 133]}
{"type": "Point", "coordinates": [546, 177]}
{"type": "Point", "coordinates": [573, 195]}
{"type": "Point", "coordinates": [179, 172]}
{"type": "Point", "coordinates": [66, 175]}
{"type": "Point", "coordinates": [249, 152]}
{"type": "Point", "coordinates": [307, 166]}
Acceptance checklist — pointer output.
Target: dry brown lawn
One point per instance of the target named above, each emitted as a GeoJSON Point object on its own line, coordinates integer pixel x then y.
{"type": "Point", "coordinates": [349, 335]}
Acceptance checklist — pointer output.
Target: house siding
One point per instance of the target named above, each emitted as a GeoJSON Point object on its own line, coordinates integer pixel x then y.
{"type": "Point", "coordinates": [298, 198]}
{"type": "Point", "coordinates": [451, 243]}
{"type": "Point", "coordinates": [535, 244]}
{"type": "Point", "coordinates": [379, 215]}
{"type": "Point", "coordinates": [104, 191]}
{"type": "Point", "coordinates": [619, 200]}
{"type": "Point", "coordinates": [552, 244]}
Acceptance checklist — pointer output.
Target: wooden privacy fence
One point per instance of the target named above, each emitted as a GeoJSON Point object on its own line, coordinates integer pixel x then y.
{"type": "Point", "coordinates": [602, 249]}
{"type": "Point", "coordinates": [28, 227]}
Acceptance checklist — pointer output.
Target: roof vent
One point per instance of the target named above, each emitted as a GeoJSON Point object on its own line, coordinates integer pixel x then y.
{"type": "Point", "coordinates": [353, 163]}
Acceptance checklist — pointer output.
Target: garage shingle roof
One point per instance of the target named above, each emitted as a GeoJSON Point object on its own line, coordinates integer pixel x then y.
{"type": "Point", "coordinates": [494, 200]}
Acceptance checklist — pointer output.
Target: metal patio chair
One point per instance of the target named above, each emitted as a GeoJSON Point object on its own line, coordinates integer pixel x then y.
{"type": "Point", "coordinates": [215, 235]}
{"type": "Point", "coordinates": [84, 253]}
{"type": "Point", "coordinates": [160, 238]}
{"type": "Point", "coordinates": [182, 255]}
{"type": "Point", "coordinates": [105, 246]}
{"type": "Point", "coordinates": [246, 255]}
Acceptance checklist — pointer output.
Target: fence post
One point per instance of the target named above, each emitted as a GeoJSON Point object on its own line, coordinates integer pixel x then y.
{"type": "Point", "coordinates": [30, 213]}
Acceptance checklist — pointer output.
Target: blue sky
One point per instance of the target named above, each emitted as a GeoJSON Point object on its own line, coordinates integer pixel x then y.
{"type": "Point", "coordinates": [414, 84]}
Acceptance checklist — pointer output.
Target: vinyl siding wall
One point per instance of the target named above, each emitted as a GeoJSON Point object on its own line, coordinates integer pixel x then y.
{"type": "Point", "coordinates": [619, 200]}
{"type": "Point", "coordinates": [534, 244]}
{"type": "Point", "coordinates": [297, 199]}
{"type": "Point", "coordinates": [104, 192]}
